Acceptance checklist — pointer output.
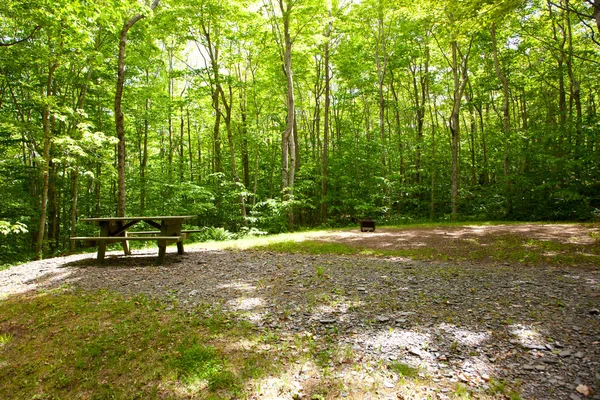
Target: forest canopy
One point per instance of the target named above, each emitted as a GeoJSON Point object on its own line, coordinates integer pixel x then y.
{"type": "Point", "coordinates": [274, 114]}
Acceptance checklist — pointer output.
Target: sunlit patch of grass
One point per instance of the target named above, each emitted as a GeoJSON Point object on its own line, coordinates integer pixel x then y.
{"type": "Point", "coordinates": [513, 248]}
{"type": "Point", "coordinates": [256, 241]}
{"type": "Point", "coordinates": [308, 247]}
{"type": "Point", "coordinates": [66, 343]}
{"type": "Point", "coordinates": [403, 369]}
{"type": "Point", "coordinates": [317, 247]}
{"type": "Point", "coordinates": [500, 387]}
{"type": "Point", "coordinates": [199, 365]}
{"type": "Point", "coordinates": [5, 338]}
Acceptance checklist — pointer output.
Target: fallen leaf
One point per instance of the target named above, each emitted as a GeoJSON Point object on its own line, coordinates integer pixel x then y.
{"type": "Point", "coordinates": [584, 390]}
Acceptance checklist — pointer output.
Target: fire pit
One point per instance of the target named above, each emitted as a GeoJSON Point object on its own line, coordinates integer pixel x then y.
{"type": "Point", "coordinates": [367, 225]}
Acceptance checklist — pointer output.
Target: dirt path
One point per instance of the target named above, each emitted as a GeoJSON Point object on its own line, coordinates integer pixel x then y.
{"type": "Point", "coordinates": [535, 327]}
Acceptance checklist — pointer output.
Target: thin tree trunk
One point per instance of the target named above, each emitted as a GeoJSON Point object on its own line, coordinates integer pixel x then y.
{"type": "Point", "coordinates": [144, 157]}
{"type": "Point", "coordinates": [325, 157]}
{"type": "Point", "coordinates": [236, 179]}
{"type": "Point", "coordinates": [472, 133]}
{"type": "Point", "coordinates": [52, 203]}
{"type": "Point", "coordinates": [119, 118]}
{"type": "Point", "coordinates": [575, 86]}
{"type": "Point", "coordinates": [459, 73]}
{"type": "Point", "coordinates": [190, 147]}
{"type": "Point", "coordinates": [45, 162]}
{"type": "Point", "coordinates": [381, 64]}
{"type": "Point", "coordinates": [505, 119]}
{"type": "Point", "coordinates": [181, 143]}
{"type": "Point", "coordinates": [288, 142]}
{"type": "Point", "coordinates": [244, 134]}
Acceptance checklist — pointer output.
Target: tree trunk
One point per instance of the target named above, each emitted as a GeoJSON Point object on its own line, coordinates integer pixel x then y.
{"type": "Point", "coordinates": [505, 120]}
{"type": "Point", "coordinates": [190, 147]}
{"type": "Point", "coordinates": [119, 118]}
{"type": "Point", "coordinates": [53, 221]}
{"type": "Point", "coordinates": [45, 162]}
{"type": "Point", "coordinates": [420, 93]}
{"type": "Point", "coordinates": [381, 64]}
{"type": "Point", "coordinates": [144, 158]}
{"type": "Point", "coordinates": [170, 116]}
{"type": "Point", "coordinates": [575, 86]}
{"type": "Point", "coordinates": [181, 143]}
{"type": "Point", "coordinates": [244, 134]}
{"type": "Point", "coordinates": [236, 179]}
{"type": "Point", "coordinates": [472, 134]}
{"type": "Point", "coordinates": [325, 159]}
{"type": "Point", "coordinates": [459, 74]}
{"type": "Point", "coordinates": [288, 142]}
{"type": "Point", "coordinates": [217, 135]}
{"type": "Point", "coordinates": [75, 197]}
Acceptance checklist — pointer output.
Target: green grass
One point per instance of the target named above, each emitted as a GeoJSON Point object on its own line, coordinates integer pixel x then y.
{"type": "Point", "coordinates": [405, 370]}
{"type": "Point", "coordinates": [68, 344]}
{"type": "Point", "coordinates": [514, 248]}
{"type": "Point", "coordinates": [500, 387]}
{"type": "Point", "coordinates": [308, 247]}
{"type": "Point", "coordinates": [504, 249]}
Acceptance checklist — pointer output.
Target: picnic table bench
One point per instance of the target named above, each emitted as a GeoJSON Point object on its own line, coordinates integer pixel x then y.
{"type": "Point", "coordinates": [114, 229]}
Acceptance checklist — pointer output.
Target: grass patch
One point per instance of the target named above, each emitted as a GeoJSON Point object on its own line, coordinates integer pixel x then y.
{"type": "Point", "coordinates": [201, 365]}
{"type": "Point", "coordinates": [317, 247]}
{"type": "Point", "coordinates": [67, 344]}
{"type": "Point", "coordinates": [514, 248]}
{"type": "Point", "coordinates": [308, 247]}
{"type": "Point", "coordinates": [500, 387]}
{"type": "Point", "coordinates": [405, 370]}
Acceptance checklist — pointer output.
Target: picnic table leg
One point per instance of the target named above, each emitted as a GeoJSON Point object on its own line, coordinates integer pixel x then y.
{"type": "Point", "coordinates": [104, 228]}
{"type": "Point", "coordinates": [162, 251]}
{"type": "Point", "coordinates": [180, 247]}
{"type": "Point", "coordinates": [162, 244]}
{"type": "Point", "coordinates": [101, 250]}
{"type": "Point", "coordinates": [126, 249]}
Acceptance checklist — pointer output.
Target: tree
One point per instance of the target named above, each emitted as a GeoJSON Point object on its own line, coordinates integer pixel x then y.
{"type": "Point", "coordinates": [119, 118]}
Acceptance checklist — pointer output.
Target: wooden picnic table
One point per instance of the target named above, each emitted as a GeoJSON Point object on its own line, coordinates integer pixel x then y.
{"type": "Point", "coordinates": [114, 229]}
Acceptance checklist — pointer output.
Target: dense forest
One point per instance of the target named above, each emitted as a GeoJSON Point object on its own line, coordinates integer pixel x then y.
{"type": "Point", "coordinates": [269, 115]}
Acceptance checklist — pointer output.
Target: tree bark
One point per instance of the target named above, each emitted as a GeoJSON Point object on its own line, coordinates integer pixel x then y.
{"type": "Point", "coordinates": [459, 74]}
{"type": "Point", "coordinates": [288, 144]}
{"type": "Point", "coordinates": [381, 64]}
{"type": "Point", "coordinates": [119, 118]}
{"type": "Point", "coordinates": [190, 147]}
{"type": "Point", "coordinates": [505, 119]}
{"type": "Point", "coordinates": [325, 157]}
{"type": "Point", "coordinates": [45, 162]}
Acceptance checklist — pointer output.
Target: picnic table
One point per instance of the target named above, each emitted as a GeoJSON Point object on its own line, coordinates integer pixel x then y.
{"type": "Point", "coordinates": [114, 229]}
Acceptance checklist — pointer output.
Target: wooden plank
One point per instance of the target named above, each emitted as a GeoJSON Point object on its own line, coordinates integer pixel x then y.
{"type": "Point", "coordinates": [164, 217]}
{"type": "Point", "coordinates": [123, 238]}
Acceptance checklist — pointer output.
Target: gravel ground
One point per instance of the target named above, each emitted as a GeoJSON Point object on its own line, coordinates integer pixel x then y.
{"type": "Point", "coordinates": [535, 327]}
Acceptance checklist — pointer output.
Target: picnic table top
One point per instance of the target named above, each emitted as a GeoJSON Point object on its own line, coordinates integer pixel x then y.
{"type": "Point", "coordinates": [164, 217]}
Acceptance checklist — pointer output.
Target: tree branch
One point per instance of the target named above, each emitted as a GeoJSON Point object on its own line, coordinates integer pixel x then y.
{"type": "Point", "coordinates": [2, 44]}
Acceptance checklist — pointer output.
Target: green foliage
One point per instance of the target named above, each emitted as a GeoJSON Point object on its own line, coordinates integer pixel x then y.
{"type": "Point", "coordinates": [270, 215]}
{"type": "Point", "coordinates": [212, 233]}
{"type": "Point", "coordinates": [7, 228]}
